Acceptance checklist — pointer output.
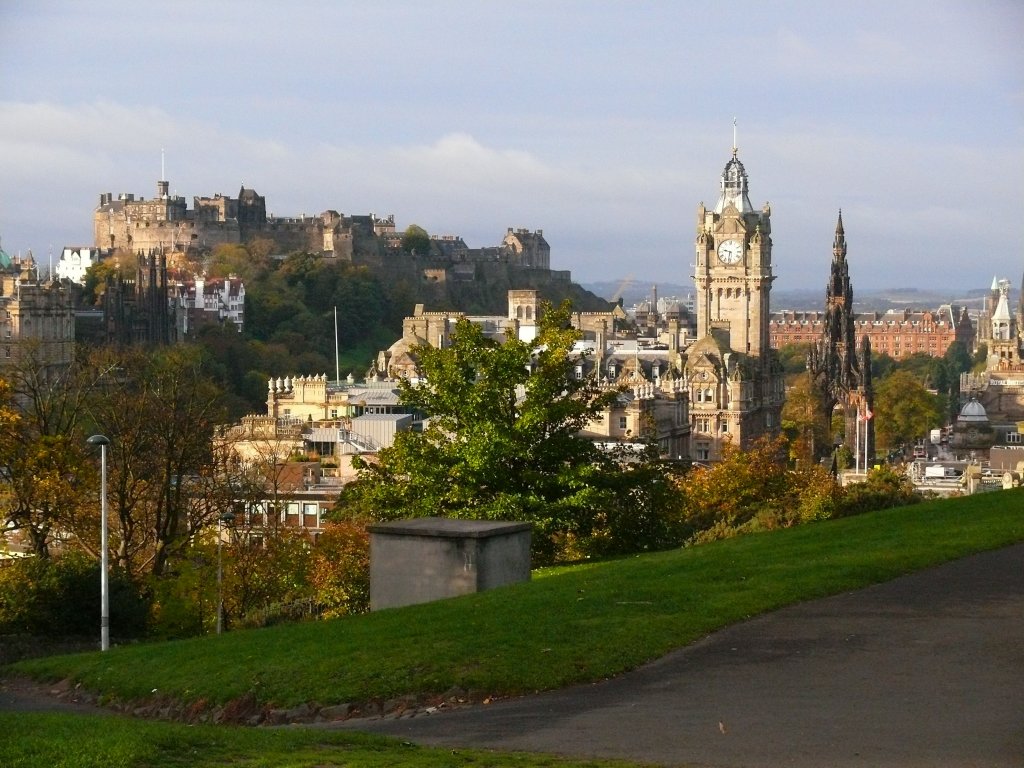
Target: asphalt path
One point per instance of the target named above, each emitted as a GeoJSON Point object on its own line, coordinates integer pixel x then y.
{"type": "Point", "coordinates": [926, 670]}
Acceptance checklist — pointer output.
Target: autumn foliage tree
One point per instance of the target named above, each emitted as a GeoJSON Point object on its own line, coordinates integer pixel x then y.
{"type": "Point", "coordinates": [754, 490]}
{"type": "Point", "coordinates": [42, 451]}
{"type": "Point", "coordinates": [159, 412]}
{"type": "Point", "coordinates": [340, 569]}
{"type": "Point", "coordinates": [804, 422]}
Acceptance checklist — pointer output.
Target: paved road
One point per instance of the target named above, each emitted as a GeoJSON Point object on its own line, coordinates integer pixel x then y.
{"type": "Point", "coordinates": [927, 670]}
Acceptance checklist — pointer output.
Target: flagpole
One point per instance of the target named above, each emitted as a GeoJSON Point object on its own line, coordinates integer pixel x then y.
{"type": "Point", "coordinates": [337, 361]}
{"type": "Point", "coordinates": [856, 444]}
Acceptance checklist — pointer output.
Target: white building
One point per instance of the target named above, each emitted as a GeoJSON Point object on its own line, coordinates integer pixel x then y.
{"type": "Point", "coordinates": [75, 261]}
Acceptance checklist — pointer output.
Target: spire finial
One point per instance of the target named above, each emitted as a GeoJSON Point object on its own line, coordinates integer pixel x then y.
{"type": "Point", "coordinates": [734, 147]}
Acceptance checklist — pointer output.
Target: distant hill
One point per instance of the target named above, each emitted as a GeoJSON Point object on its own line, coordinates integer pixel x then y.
{"type": "Point", "coordinates": [805, 299]}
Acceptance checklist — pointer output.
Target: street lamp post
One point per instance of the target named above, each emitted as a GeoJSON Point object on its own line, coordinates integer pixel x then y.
{"type": "Point", "coordinates": [228, 518]}
{"type": "Point", "coordinates": [102, 441]}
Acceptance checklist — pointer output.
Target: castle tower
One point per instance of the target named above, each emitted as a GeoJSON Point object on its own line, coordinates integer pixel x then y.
{"type": "Point", "coordinates": [734, 378]}
{"type": "Point", "coordinates": [841, 371]}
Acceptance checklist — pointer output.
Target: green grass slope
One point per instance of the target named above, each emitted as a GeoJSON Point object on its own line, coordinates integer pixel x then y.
{"type": "Point", "coordinates": [78, 741]}
{"type": "Point", "coordinates": [567, 625]}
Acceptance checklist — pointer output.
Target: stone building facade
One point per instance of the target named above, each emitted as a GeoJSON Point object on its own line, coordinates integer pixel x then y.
{"type": "Point", "coordinates": [37, 321]}
{"type": "Point", "coordinates": [998, 391]}
{"type": "Point", "coordinates": [527, 249]}
{"type": "Point", "coordinates": [652, 404]}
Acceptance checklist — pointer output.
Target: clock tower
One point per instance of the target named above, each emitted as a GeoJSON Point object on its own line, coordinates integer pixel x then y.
{"type": "Point", "coordinates": [733, 376]}
{"type": "Point", "coordinates": [733, 270]}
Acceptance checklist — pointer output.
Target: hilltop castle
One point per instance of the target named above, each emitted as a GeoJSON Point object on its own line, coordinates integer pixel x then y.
{"type": "Point", "coordinates": [165, 223]}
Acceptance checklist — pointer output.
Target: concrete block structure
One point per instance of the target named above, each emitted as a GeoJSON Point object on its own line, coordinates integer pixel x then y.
{"type": "Point", "coordinates": [431, 558]}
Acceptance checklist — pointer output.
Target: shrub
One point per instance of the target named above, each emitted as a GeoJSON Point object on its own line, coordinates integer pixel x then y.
{"type": "Point", "coordinates": [185, 597]}
{"type": "Point", "coordinates": [884, 487]}
{"type": "Point", "coordinates": [60, 597]}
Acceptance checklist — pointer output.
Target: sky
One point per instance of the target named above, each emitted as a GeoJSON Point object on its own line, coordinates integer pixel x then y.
{"type": "Point", "coordinates": [602, 123]}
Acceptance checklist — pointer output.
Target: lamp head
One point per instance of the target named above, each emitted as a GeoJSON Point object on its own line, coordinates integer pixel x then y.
{"type": "Point", "coordinates": [98, 440]}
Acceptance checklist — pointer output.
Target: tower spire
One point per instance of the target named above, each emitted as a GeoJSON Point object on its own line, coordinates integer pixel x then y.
{"type": "Point", "coordinates": [735, 149]}
{"type": "Point", "coordinates": [839, 243]}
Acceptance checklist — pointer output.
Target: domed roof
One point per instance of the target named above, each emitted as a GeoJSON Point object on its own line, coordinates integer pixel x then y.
{"type": "Point", "coordinates": [5, 259]}
{"type": "Point", "coordinates": [973, 411]}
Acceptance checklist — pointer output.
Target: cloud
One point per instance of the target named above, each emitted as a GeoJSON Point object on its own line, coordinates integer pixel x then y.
{"type": "Point", "coordinates": [619, 198]}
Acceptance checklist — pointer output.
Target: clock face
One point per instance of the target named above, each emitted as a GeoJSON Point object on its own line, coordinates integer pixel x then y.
{"type": "Point", "coordinates": [730, 252]}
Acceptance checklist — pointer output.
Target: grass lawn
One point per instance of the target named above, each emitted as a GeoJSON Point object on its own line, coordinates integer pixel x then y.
{"type": "Point", "coordinates": [76, 741]}
{"type": "Point", "coordinates": [567, 625]}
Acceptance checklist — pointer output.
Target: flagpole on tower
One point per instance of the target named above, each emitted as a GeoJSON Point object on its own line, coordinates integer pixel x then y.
{"type": "Point", "coordinates": [856, 444]}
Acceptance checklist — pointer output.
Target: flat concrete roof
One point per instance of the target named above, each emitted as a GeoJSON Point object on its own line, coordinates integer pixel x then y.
{"type": "Point", "coordinates": [445, 527]}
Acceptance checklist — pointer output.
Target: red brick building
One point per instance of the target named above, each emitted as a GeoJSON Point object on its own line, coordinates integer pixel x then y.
{"type": "Point", "coordinates": [897, 333]}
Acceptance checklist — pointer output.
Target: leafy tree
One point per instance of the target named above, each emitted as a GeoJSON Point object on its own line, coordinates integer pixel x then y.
{"type": "Point", "coordinates": [340, 569]}
{"type": "Point", "coordinates": [925, 368]}
{"type": "Point", "coordinates": [957, 360]}
{"type": "Point", "coordinates": [96, 277]}
{"type": "Point", "coordinates": [804, 422]}
{"type": "Point", "coordinates": [43, 452]}
{"type": "Point", "coordinates": [416, 240]}
{"type": "Point", "coordinates": [159, 412]}
{"type": "Point", "coordinates": [904, 410]}
{"type": "Point", "coordinates": [263, 574]}
{"type": "Point", "coordinates": [794, 357]}
{"type": "Point", "coordinates": [881, 365]}
{"type": "Point", "coordinates": [238, 260]}
{"type": "Point", "coordinates": [980, 359]}
{"type": "Point", "coordinates": [503, 438]}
